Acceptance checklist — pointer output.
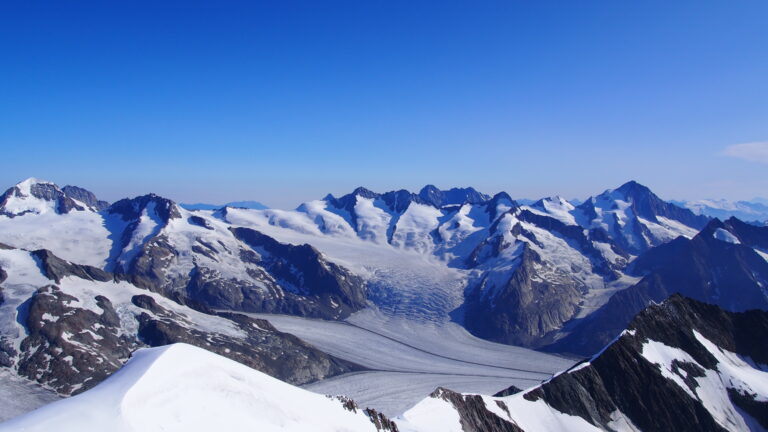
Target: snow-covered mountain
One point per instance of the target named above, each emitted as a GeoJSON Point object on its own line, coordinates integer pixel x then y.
{"type": "Point", "coordinates": [725, 264]}
{"type": "Point", "coordinates": [681, 365]}
{"type": "Point", "coordinates": [33, 196]}
{"type": "Point", "coordinates": [183, 388]}
{"type": "Point", "coordinates": [510, 273]}
{"type": "Point", "coordinates": [193, 258]}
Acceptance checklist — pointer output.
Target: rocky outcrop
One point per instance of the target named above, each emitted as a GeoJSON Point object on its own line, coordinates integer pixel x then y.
{"type": "Point", "coordinates": [474, 414]}
{"type": "Point", "coordinates": [380, 421]}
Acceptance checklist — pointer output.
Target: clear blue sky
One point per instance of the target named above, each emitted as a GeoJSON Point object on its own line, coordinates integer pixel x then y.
{"type": "Point", "coordinates": [285, 101]}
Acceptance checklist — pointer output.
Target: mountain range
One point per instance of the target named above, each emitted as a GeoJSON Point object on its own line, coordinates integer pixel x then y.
{"type": "Point", "coordinates": [85, 283]}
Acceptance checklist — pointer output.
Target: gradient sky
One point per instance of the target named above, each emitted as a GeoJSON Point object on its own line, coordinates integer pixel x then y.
{"type": "Point", "coordinates": [285, 101]}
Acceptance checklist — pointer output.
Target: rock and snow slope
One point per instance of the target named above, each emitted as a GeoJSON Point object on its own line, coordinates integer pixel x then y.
{"type": "Point", "coordinates": [190, 257]}
{"type": "Point", "coordinates": [68, 326]}
{"type": "Point", "coordinates": [681, 365]}
{"type": "Point", "coordinates": [183, 388]}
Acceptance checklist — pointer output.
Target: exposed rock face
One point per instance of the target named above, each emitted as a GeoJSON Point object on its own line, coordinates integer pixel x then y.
{"type": "Point", "coordinates": [473, 413]}
{"type": "Point", "coordinates": [582, 240]}
{"type": "Point", "coordinates": [71, 349]}
{"type": "Point", "coordinates": [731, 275]}
{"type": "Point", "coordinates": [237, 268]}
{"type": "Point", "coordinates": [42, 191]}
{"type": "Point", "coordinates": [85, 196]}
{"type": "Point", "coordinates": [509, 391]}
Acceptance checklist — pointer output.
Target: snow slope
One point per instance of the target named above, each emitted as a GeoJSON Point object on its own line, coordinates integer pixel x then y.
{"type": "Point", "coordinates": [182, 388]}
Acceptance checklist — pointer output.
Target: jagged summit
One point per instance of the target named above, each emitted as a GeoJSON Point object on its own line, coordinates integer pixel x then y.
{"type": "Point", "coordinates": [398, 200]}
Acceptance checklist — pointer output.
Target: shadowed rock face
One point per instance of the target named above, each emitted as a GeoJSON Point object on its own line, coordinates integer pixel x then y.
{"type": "Point", "coordinates": [313, 286]}
{"type": "Point", "coordinates": [85, 196]}
{"type": "Point", "coordinates": [55, 268]}
{"type": "Point", "coordinates": [473, 413]}
{"type": "Point", "coordinates": [705, 268]}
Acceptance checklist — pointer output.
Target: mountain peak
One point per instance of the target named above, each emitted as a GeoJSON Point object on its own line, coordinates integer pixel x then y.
{"type": "Point", "coordinates": [364, 192]}
{"type": "Point", "coordinates": [132, 208]}
{"type": "Point", "coordinates": [429, 189]}
{"type": "Point", "coordinates": [454, 196]}
{"type": "Point", "coordinates": [35, 196]}
{"type": "Point", "coordinates": [26, 183]}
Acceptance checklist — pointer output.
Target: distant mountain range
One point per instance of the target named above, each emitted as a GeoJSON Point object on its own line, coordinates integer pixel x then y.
{"type": "Point", "coordinates": [755, 210]}
{"type": "Point", "coordinates": [239, 204]}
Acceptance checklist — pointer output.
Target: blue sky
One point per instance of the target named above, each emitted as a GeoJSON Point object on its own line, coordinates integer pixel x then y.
{"type": "Point", "coordinates": [285, 101]}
